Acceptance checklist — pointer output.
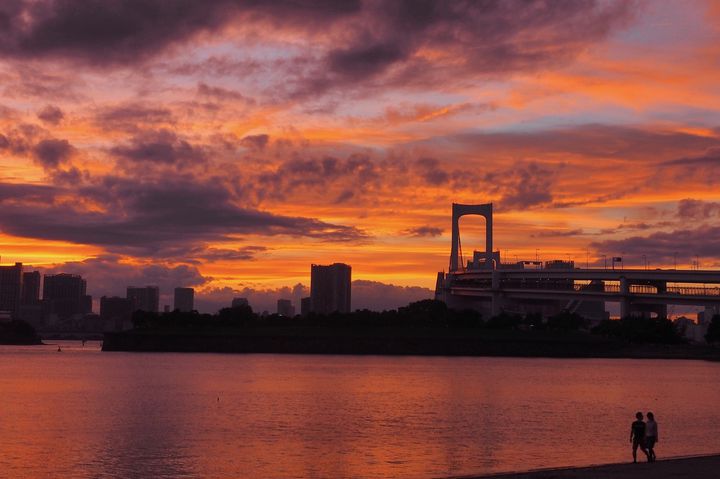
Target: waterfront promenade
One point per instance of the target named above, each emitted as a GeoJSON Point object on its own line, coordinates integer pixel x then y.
{"type": "Point", "coordinates": [702, 467]}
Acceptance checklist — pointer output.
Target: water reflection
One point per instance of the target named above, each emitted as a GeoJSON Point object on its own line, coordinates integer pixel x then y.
{"type": "Point", "coordinates": [82, 413]}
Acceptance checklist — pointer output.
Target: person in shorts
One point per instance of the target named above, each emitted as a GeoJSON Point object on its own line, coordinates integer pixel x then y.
{"type": "Point", "coordinates": [637, 436]}
{"type": "Point", "coordinates": [651, 436]}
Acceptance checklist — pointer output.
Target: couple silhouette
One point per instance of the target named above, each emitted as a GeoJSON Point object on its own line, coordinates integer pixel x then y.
{"type": "Point", "coordinates": [644, 435]}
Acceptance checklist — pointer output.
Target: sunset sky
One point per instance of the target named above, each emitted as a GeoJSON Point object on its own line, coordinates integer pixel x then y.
{"type": "Point", "coordinates": [226, 145]}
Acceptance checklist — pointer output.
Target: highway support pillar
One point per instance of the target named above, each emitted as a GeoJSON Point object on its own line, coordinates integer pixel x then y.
{"type": "Point", "coordinates": [496, 307]}
{"type": "Point", "coordinates": [624, 297]}
{"type": "Point", "coordinates": [662, 307]}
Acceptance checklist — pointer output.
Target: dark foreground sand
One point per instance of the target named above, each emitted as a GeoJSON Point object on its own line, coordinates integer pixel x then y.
{"type": "Point", "coordinates": [705, 467]}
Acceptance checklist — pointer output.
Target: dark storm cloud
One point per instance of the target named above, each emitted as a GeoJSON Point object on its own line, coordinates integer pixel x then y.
{"type": "Point", "coordinates": [257, 142]}
{"type": "Point", "coordinates": [486, 38]}
{"type": "Point", "coordinates": [354, 173]}
{"type": "Point", "coordinates": [244, 253]}
{"type": "Point", "coordinates": [558, 233]}
{"type": "Point", "coordinates": [702, 168]}
{"type": "Point", "coordinates": [662, 246]}
{"type": "Point", "coordinates": [168, 217]}
{"type": "Point", "coordinates": [107, 32]}
{"type": "Point", "coordinates": [365, 177]}
{"type": "Point", "coordinates": [221, 94]}
{"type": "Point", "coordinates": [21, 139]}
{"type": "Point", "coordinates": [362, 60]}
{"type": "Point", "coordinates": [344, 197]}
{"type": "Point", "coordinates": [710, 159]}
{"type": "Point", "coordinates": [109, 275]}
{"type": "Point", "coordinates": [523, 186]}
{"type": "Point", "coordinates": [131, 116]}
{"type": "Point", "coordinates": [26, 192]}
{"type": "Point", "coordinates": [51, 114]}
{"type": "Point", "coordinates": [28, 81]}
{"type": "Point", "coordinates": [215, 66]}
{"type": "Point", "coordinates": [159, 147]}
{"type": "Point", "coordinates": [432, 171]}
{"type": "Point", "coordinates": [691, 209]}
{"type": "Point", "coordinates": [597, 199]}
{"type": "Point", "coordinates": [353, 42]}
{"type": "Point", "coordinates": [51, 153]}
{"type": "Point", "coordinates": [599, 140]}
{"type": "Point", "coordinates": [70, 176]}
{"type": "Point", "coordinates": [422, 232]}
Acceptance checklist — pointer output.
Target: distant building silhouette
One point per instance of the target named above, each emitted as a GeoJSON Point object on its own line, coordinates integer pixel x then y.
{"type": "Point", "coordinates": [30, 288]}
{"type": "Point", "coordinates": [704, 317]}
{"type": "Point", "coordinates": [285, 308]}
{"type": "Point", "coordinates": [65, 294]}
{"type": "Point", "coordinates": [305, 306]}
{"type": "Point", "coordinates": [10, 287]}
{"type": "Point", "coordinates": [31, 308]}
{"type": "Point", "coordinates": [237, 302]}
{"type": "Point", "coordinates": [330, 288]}
{"type": "Point", "coordinates": [184, 299]}
{"type": "Point", "coordinates": [116, 312]}
{"type": "Point", "coordinates": [145, 298]}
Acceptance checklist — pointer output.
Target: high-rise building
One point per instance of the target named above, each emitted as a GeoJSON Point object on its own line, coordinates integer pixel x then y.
{"type": "Point", "coordinates": [285, 308]}
{"type": "Point", "coordinates": [330, 288]}
{"type": "Point", "coordinates": [65, 294]}
{"type": "Point", "coordinates": [30, 288]}
{"type": "Point", "coordinates": [184, 299]}
{"type": "Point", "coordinates": [237, 302]}
{"type": "Point", "coordinates": [116, 312]}
{"type": "Point", "coordinates": [145, 298]}
{"type": "Point", "coordinates": [10, 287]}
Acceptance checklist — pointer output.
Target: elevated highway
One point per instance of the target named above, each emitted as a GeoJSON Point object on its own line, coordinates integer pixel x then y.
{"type": "Point", "coordinates": [486, 283]}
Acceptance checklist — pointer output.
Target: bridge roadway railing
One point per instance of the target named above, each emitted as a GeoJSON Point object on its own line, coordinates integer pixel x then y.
{"type": "Point", "coordinates": [648, 289]}
{"type": "Point", "coordinates": [592, 287]}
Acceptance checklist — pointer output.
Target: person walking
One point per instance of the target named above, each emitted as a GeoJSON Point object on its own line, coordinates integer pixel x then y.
{"type": "Point", "coordinates": [651, 436]}
{"type": "Point", "coordinates": [637, 436]}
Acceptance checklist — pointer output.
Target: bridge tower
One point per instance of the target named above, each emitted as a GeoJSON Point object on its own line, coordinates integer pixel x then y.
{"type": "Point", "coordinates": [459, 210]}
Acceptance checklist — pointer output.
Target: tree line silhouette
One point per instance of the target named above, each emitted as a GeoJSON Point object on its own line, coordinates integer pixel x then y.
{"type": "Point", "coordinates": [425, 314]}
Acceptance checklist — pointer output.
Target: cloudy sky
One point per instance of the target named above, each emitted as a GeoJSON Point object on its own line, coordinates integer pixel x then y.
{"type": "Point", "coordinates": [226, 145]}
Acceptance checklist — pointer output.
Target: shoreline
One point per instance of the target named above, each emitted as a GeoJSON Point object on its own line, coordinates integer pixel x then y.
{"type": "Point", "coordinates": [393, 343]}
{"type": "Point", "coordinates": [690, 467]}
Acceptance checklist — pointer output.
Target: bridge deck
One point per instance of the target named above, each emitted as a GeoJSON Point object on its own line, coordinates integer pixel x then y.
{"type": "Point", "coordinates": [643, 286]}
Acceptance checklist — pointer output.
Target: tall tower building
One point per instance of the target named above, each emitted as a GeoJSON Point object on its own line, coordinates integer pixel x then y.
{"type": "Point", "coordinates": [30, 288]}
{"type": "Point", "coordinates": [10, 287]}
{"type": "Point", "coordinates": [65, 294]}
{"type": "Point", "coordinates": [330, 288]}
{"type": "Point", "coordinates": [145, 298]}
{"type": "Point", "coordinates": [184, 299]}
{"type": "Point", "coordinates": [285, 308]}
{"type": "Point", "coordinates": [237, 302]}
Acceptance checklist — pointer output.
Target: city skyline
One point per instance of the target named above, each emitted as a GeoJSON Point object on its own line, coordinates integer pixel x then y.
{"type": "Point", "coordinates": [229, 147]}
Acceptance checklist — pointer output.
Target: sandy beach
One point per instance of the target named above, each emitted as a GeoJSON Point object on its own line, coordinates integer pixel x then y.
{"type": "Point", "coordinates": [703, 467]}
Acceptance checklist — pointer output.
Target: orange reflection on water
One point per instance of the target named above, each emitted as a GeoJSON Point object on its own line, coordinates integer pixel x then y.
{"type": "Point", "coordinates": [82, 413]}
